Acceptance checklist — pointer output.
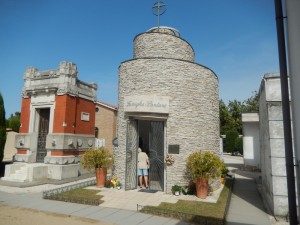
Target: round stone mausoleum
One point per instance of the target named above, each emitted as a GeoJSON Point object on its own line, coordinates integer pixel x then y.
{"type": "Point", "coordinates": [168, 105]}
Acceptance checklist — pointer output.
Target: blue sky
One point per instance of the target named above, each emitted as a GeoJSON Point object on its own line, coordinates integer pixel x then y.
{"type": "Point", "coordinates": [235, 38]}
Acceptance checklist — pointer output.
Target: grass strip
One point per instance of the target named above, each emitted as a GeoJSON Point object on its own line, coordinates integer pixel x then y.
{"type": "Point", "coordinates": [79, 195]}
{"type": "Point", "coordinates": [193, 211]}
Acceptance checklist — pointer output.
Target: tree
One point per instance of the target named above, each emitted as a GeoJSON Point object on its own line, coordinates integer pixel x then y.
{"type": "Point", "coordinates": [13, 122]}
{"type": "Point", "coordinates": [235, 109]}
{"type": "Point", "coordinates": [226, 121]}
{"type": "Point", "coordinates": [231, 120]}
{"type": "Point", "coordinates": [239, 145]}
{"type": "Point", "coordinates": [2, 128]}
{"type": "Point", "coordinates": [251, 104]}
{"type": "Point", "coordinates": [231, 137]}
{"type": "Point", "coordinates": [231, 115]}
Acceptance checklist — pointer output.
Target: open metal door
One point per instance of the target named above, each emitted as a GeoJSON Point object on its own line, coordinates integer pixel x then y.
{"type": "Point", "coordinates": [156, 155]}
{"type": "Point", "coordinates": [131, 155]}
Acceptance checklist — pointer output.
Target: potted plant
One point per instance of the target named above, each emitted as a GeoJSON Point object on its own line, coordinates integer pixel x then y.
{"type": "Point", "coordinates": [202, 166]}
{"type": "Point", "coordinates": [189, 189]}
{"type": "Point", "coordinates": [176, 189]}
{"type": "Point", "coordinates": [224, 171]}
{"type": "Point", "coordinates": [108, 184]}
{"type": "Point", "coordinates": [119, 185]}
{"type": "Point", "coordinates": [98, 160]}
{"type": "Point", "coordinates": [185, 190]}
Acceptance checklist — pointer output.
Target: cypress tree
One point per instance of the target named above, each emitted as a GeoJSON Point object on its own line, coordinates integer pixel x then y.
{"type": "Point", "coordinates": [231, 137]}
{"type": "Point", "coordinates": [2, 128]}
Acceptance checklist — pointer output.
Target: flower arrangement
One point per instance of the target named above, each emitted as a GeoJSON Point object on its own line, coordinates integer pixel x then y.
{"type": "Point", "coordinates": [170, 159]}
{"type": "Point", "coordinates": [113, 183]}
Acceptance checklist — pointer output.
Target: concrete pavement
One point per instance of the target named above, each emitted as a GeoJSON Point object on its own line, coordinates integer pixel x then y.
{"type": "Point", "coordinates": [104, 214]}
{"type": "Point", "coordinates": [246, 206]}
{"type": "Point", "coordinates": [120, 207]}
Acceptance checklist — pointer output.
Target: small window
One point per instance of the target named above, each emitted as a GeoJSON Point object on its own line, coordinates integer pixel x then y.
{"type": "Point", "coordinates": [96, 132]}
{"type": "Point", "coordinates": [85, 116]}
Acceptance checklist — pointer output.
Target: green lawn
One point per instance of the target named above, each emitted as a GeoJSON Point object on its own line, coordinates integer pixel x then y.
{"type": "Point", "coordinates": [196, 212]}
{"type": "Point", "coordinates": [80, 195]}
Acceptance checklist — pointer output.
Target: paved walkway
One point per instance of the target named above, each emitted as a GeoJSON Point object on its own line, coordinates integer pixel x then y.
{"type": "Point", "coordinates": [246, 206]}
{"type": "Point", "coordinates": [100, 213]}
{"type": "Point", "coordinates": [131, 200]}
{"type": "Point", "coordinates": [120, 207]}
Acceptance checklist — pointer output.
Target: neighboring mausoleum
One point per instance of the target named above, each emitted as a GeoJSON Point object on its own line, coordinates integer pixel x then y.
{"type": "Point", "coordinates": [57, 125]}
{"type": "Point", "coordinates": [168, 105]}
{"type": "Point", "coordinates": [272, 149]}
{"type": "Point", "coordinates": [251, 144]}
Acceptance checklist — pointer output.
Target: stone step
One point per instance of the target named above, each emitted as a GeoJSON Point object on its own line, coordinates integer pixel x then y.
{"type": "Point", "coordinates": [20, 175]}
{"type": "Point", "coordinates": [12, 179]}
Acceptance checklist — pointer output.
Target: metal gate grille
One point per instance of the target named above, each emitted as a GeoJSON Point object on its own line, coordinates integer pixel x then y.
{"type": "Point", "coordinates": [131, 155]}
{"type": "Point", "coordinates": [156, 156]}
{"type": "Point", "coordinates": [43, 132]}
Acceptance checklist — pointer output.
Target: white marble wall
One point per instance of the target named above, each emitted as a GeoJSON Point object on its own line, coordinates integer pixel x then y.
{"type": "Point", "coordinates": [274, 183]}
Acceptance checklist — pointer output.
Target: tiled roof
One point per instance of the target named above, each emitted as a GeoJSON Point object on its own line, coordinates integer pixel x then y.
{"type": "Point", "coordinates": [107, 105]}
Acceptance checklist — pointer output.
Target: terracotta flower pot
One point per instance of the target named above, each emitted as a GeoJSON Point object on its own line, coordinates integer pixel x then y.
{"type": "Point", "coordinates": [202, 187]}
{"type": "Point", "coordinates": [222, 180]}
{"type": "Point", "coordinates": [101, 176]}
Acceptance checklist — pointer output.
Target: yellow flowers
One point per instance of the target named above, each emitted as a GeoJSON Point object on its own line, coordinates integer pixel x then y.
{"type": "Point", "coordinates": [114, 182]}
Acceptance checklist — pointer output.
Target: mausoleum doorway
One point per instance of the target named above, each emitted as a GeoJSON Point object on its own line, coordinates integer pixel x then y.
{"type": "Point", "coordinates": [149, 136]}
{"type": "Point", "coordinates": [43, 116]}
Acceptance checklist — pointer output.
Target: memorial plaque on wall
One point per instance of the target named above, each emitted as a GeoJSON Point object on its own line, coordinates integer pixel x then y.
{"type": "Point", "coordinates": [146, 103]}
{"type": "Point", "coordinates": [173, 149]}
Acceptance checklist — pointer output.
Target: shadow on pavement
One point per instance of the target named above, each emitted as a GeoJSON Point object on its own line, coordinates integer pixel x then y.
{"type": "Point", "coordinates": [247, 206]}
{"type": "Point", "coordinates": [247, 190]}
{"type": "Point", "coordinates": [2, 168]}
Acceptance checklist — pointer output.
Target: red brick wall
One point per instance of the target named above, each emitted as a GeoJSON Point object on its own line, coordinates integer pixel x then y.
{"type": "Point", "coordinates": [66, 153]}
{"type": "Point", "coordinates": [21, 151]}
{"type": "Point", "coordinates": [85, 127]}
{"type": "Point", "coordinates": [65, 107]}
{"type": "Point", "coordinates": [25, 115]}
{"type": "Point", "coordinates": [68, 109]}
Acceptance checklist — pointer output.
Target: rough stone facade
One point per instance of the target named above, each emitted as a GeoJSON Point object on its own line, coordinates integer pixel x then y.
{"type": "Point", "coordinates": [164, 66]}
{"type": "Point", "coordinates": [157, 45]}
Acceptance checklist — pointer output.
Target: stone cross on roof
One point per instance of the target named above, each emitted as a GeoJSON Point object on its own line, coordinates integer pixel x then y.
{"type": "Point", "coordinates": [158, 9]}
